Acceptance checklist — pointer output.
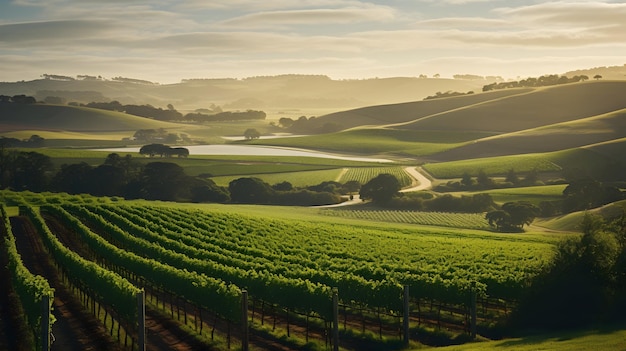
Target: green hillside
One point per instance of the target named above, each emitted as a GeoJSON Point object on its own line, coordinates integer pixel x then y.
{"type": "Point", "coordinates": [15, 117]}
{"type": "Point", "coordinates": [565, 135]}
{"type": "Point", "coordinates": [507, 122]}
{"type": "Point", "coordinates": [540, 107]}
{"type": "Point", "coordinates": [410, 111]}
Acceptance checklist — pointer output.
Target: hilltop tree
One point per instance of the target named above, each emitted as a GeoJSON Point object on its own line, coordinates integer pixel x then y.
{"type": "Point", "coordinates": [597, 77]}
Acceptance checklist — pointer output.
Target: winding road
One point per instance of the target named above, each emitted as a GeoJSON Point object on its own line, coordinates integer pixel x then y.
{"type": "Point", "coordinates": [420, 182]}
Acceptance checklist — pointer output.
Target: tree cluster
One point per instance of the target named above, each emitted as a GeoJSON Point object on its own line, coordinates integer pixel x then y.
{"type": "Point", "coordinates": [226, 116]}
{"type": "Point", "coordinates": [512, 216]}
{"type": "Point", "coordinates": [116, 176]}
{"type": "Point", "coordinates": [306, 125]}
{"type": "Point", "coordinates": [585, 284]}
{"type": "Point", "coordinates": [148, 111]}
{"type": "Point", "coordinates": [256, 191]}
{"type": "Point", "coordinates": [448, 93]}
{"type": "Point", "coordinates": [17, 99]}
{"type": "Point", "coordinates": [159, 135]}
{"type": "Point", "coordinates": [542, 81]}
{"type": "Point", "coordinates": [384, 189]}
{"type": "Point", "coordinates": [163, 150]}
{"type": "Point", "coordinates": [129, 178]}
{"type": "Point", "coordinates": [33, 141]}
{"type": "Point", "coordinates": [482, 181]}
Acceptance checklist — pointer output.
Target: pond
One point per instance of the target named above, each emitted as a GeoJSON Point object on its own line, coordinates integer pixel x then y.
{"type": "Point", "coordinates": [259, 150]}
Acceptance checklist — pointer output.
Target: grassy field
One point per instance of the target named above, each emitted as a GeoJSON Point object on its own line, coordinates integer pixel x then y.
{"type": "Point", "coordinates": [370, 142]}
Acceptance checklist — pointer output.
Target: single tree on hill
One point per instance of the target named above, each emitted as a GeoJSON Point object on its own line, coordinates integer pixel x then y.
{"type": "Point", "coordinates": [597, 77]}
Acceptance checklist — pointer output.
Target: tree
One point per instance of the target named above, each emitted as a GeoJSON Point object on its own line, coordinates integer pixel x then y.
{"type": "Point", "coordinates": [251, 133]}
{"type": "Point", "coordinates": [285, 122]}
{"type": "Point", "coordinates": [466, 180]}
{"type": "Point", "coordinates": [511, 177]}
{"type": "Point", "coordinates": [154, 149]}
{"type": "Point", "coordinates": [521, 213]}
{"type": "Point", "coordinates": [583, 285]}
{"type": "Point", "coordinates": [513, 216]}
{"type": "Point", "coordinates": [484, 182]}
{"type": "Point", "coordinates": [164, 181]}
{"type": "Point", "coordinates": [381, 188]}
{"type": "Point", "coordinates": [250, 190]}
{"type": "Point", "coordinates": [498, 219]}
{"type": "Point", "coordinates": [31, 171]}
{"type": "Point", "coordinates": [597, 77]}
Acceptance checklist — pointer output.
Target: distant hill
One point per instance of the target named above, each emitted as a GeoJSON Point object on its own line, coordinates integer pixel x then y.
{"type": "Point", "coordinates": [498, 123]}
{"type": "Point", "coordinates": [15, 117]}
{"type": "Point", "coordinates": [291, 95]}
{"type": "Point", "coordinates": [611, 72]}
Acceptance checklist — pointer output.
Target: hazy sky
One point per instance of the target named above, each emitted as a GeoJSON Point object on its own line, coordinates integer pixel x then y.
{"type": "Point", "coordinates": [166, 41]}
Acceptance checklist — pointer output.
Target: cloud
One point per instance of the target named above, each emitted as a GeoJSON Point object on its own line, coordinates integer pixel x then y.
{"type": "Point", "coordinates": [312, 17]}
{"type": "Point", "coordinates": [50, 32]}
{"type": "Point", "coordinates": [462, 22]}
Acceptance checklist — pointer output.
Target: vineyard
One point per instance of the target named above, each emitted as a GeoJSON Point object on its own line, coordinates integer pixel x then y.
{"type": "Point", "coordinates": [365, 174]}
{"type": "Point", "coordinates": [204, 265]}
{"type": "Point", "coordinates": [440, 219]}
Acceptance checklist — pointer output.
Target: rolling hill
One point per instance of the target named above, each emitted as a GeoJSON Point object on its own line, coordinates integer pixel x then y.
{"type": "Point", "coordinates": [508, 122]}
{"type": "Point", "coordinates": [15, 117]}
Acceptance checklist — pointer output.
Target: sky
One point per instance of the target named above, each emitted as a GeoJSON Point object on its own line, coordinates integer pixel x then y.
{"type": "Point", "coordinates": [167, 41]}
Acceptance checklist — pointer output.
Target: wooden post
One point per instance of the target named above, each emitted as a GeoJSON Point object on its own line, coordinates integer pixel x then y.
{"type": "Point", "coordinates": [473, 312]}
{"type": "Point", "coordinates": [335, 319]}
{"type": "Point", "coordinates": [405, 320]}
{"type": "Point", "coordinates": [45, 323]}
{"type": "Point", "coordinates": [141, 321]}
{"type": "Point", "coordinates": [244, 320]}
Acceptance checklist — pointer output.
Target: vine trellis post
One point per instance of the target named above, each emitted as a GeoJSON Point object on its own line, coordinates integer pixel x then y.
{"type": "Point", "coordinates": [244, 320]}
{"type": "Point", "coordinates": [335, 319]}
{"type": "Point", "coordinates": [141, 320]}
{"type": "Point", "coordinates": [406, 315]}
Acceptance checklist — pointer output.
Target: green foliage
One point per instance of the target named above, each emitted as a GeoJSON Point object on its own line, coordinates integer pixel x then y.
{"type": "Point", "coordinates": [513, 216]}
{"type": "Point", "coordinates": [381, 188]}
{"type": "Point", "coordinates": [108, 286]}
{"type": "Point", "coordinates": [585, 284]}
{"type": "Point", "coordinates": [30, 288]}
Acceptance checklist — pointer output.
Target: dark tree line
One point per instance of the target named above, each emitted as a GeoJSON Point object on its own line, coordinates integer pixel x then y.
{"type": "Point", "coordinates": [129, 178]}
{"type": "Point", "coordinates": [256, 191]}
{"type": "Point", "coordinates": [226, 116]}
{"type": "Point", "coordinates": [148, 111]}
{"type": "Point", "coordinates": [17, 99]}
{"type": "Point", "coordinates": [307, 125]}
{"type": "Point", "coordinates": [542, 81]}
{"type": "Point", "coordinates": [33, 141]}
{"type": "Point", "coordinates": [116, 176]}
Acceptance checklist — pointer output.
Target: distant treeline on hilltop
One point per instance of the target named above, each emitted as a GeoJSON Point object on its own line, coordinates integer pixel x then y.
{"type": "Point", "coordinates": [542, 81]}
